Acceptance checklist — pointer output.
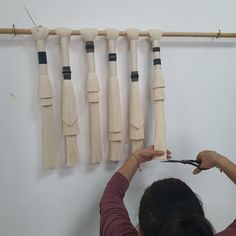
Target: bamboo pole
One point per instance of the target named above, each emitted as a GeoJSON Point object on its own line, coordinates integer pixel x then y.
{"type": "Point", "coordinates": [218, 34]}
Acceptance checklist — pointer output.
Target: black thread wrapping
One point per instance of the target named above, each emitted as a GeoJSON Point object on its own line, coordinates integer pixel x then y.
{"type": "Point", "coordinates": [89, 46]}
{"type": "Point", "coordinates": [42, 57]}
{"type": "Point", "coordinates": [66, 72]}
{"type": "Point", "coordinates": [134, 76]}
{"type": "Point", "coordinates": [157, 61]}
{"type": "Point", "coordinates": [112, 56]}
{"type": "Point", "coordinates": [156, 49]}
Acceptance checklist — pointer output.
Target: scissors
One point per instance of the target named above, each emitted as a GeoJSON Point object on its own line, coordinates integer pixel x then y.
{"type": "Point", "coordinates": [195, 163]}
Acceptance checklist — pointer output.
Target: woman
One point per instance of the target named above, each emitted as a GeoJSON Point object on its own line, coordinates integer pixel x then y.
{"type": "Point", "coordinates": [168, 207]}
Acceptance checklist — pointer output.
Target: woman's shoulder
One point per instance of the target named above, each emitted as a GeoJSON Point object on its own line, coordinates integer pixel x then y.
{"type": "Point", "coordinates": [229, 231]}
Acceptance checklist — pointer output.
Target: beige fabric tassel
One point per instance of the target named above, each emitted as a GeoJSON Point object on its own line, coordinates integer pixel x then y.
{"type": "Point", "coordinates": [89, 35]}
{"type": "Point", "coordinates": [136, 111]}
{"type": "Point", "coordinates": [114, 107]}
{"type": "Point", "coordinates": [158, 96]}
{"type": "Point", "coordinates": [69, 114]}
{"type": "Point", "coordinates": [45, 95]}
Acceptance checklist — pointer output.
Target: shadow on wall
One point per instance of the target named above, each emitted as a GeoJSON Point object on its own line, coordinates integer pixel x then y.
{"type": "Point", "coordinates": [89, 222]}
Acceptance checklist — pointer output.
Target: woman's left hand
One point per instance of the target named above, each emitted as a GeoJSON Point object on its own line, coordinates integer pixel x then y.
{"type": "Point", "coordinates": [147, 153]}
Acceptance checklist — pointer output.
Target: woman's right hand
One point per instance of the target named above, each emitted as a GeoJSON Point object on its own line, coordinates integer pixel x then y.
{"type": "Point", "coordinates": [207, 159]}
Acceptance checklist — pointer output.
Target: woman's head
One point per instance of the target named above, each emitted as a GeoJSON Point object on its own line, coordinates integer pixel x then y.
{"type": "Point", "coordinates": [164, 202]}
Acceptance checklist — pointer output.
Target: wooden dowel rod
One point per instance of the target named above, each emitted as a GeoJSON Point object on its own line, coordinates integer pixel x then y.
{"type": "Point", "coordinates": [219, 34]}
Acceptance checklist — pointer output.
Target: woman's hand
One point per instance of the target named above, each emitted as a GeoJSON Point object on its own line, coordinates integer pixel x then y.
{"type": "Point", "coordinates": [129, 168]}
{"type": "Point", "coordinates": [207, 159]}
{"type": "Point", "coordinates": [147, 153]}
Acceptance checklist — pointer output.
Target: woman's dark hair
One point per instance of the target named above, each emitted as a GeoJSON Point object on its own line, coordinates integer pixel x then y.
{"type": "Point", "coordinates": [193, 225]}
{"type": "Point", "coordinates": [171, 202]}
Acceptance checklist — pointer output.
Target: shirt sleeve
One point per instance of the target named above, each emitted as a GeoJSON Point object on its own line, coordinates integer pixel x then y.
{"type": "Point", "coordinates": [114, 218]}
{"type": "Point", "coordinates": [229, 231]}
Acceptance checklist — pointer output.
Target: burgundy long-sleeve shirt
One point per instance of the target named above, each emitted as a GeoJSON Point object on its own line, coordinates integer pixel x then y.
{"type": "Point", "coordinates": [229, 231]}
{"type": "Point", "coordinates": [114, 218]}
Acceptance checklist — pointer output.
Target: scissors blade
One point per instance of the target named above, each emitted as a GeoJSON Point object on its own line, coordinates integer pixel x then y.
{"type": "Point", "coordinates": [195, 163]}
{"type": "Point", "coordinates": [172, 161]}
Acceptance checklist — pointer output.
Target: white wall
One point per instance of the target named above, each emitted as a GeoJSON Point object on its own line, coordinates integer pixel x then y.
{"type": "Point", "coordinates": [201, 111]}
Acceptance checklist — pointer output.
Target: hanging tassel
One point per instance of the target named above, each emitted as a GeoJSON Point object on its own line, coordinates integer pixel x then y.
{"type": "Point", "coordinates": [114, 107]}
{"type": "Point", "coordinates": [69, 113]}
{"type": "Point", "coordinates": [40, 35]}
{"type": "Point", "coordinates": [89, 35]}
{"type": "Point", "coordinates": [158, 96]}
{"type": "Point", "coordinates": [136, 111]}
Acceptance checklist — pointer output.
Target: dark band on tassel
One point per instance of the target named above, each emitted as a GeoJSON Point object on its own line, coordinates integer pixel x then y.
{"type": "Point", "coordinates": [112, 56]}
{"type": "Point", "coordinates": [66, 72]}
{"type": "Point", "coordinates": [156, 49]}
{"type": "Point", "coordinates": [134, 76]}
{"type": "Point", "coordinates": [157, 61]}
{"type": "Point", "coordinates": [89, 46]}
{"type": "Point", "coordinates": [42, 57]}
